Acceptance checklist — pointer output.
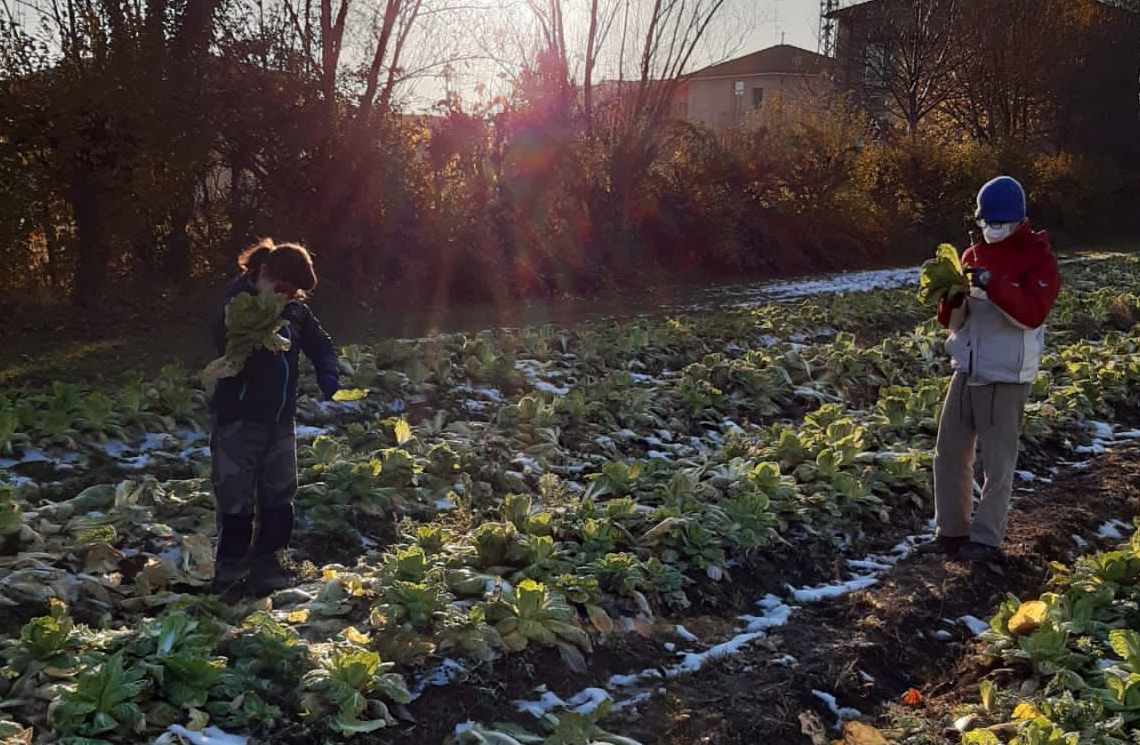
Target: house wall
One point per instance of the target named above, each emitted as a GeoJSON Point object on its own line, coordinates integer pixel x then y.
{"type": "Point", "coordinates": [713, 102]}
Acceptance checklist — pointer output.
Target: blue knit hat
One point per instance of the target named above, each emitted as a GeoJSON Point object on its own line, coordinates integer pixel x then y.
{"type": "Point", "coordinates": [1001, 200]}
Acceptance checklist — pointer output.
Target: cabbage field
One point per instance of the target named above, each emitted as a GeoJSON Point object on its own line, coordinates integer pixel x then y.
{"type": "Point", "coordinates": [510, 538]}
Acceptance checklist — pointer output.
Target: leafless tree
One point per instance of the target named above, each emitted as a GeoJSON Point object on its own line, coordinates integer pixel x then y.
{"type": "Point", "coordinates": [913, 56]}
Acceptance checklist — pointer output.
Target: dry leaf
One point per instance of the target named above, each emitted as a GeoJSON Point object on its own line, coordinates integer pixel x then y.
{"type": "Point", "coordinates": [356, 637]}
{"type": "Point", "coordinates": [1026, 712]}
{"type": "Point", "coordinates": [912, 697]}
{"type": "Point", "coordinates": [298, 616]}
{"type": "Point", "coordinates": [198, 720]}
{"type": "Point", "coordinates": [350, 394]}
{"type": "Point", "coordinates": [1028, 618]}
{"type": "Point", "coordinates": [101, 558]}
{"type": "Point", "coordinates": [812, 727]}
{"type": "Point", "coordinates": [600, 619]}
{"type": "Point", "coordinates": [857, 733]}
{"type": "Point", "coordinates": [198, 556]}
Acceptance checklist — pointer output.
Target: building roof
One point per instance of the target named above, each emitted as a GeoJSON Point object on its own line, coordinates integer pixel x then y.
{"type": "Point", "coordinates": [782, 58]}
{"type": "Point", "coordinates": [862, 7]}
{"type": "Point", "coordinates": [855, 9]}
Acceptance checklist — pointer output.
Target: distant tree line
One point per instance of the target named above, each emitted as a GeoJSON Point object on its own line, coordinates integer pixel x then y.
{"type": "Point", "coordinates": [142, 144]}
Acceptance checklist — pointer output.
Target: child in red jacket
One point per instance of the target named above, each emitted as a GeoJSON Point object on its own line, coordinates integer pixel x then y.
{"type": "Point", "coordinates": [996, 340]}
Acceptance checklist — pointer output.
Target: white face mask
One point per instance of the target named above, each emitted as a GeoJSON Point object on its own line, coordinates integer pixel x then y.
{"type": "Point", "coordinates": [998, 232]}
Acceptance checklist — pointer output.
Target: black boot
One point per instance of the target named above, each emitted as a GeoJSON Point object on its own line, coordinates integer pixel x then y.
{"type": "Point", "coordinates": [980, 553]}
{"type": "Point", "coordinates": [948, 545]}
{"type": "Point", "coordinates": [268, 573]}
{"type": "Point", "coordinates": [229, 579]}
{"type": "Point", "coordinates": [231, 566]}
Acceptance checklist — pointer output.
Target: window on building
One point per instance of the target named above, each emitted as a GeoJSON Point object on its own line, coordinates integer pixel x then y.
{"type": "Point", "coordinates": [757, 97]}
{"type": "Point", "coordinates": [875, 61]}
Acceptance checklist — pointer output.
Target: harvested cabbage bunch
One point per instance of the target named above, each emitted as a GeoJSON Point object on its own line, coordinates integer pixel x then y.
{"type": "Point", "coordinates": [942, 276]}
{"type": "Point", "coordinates": [252, 323]}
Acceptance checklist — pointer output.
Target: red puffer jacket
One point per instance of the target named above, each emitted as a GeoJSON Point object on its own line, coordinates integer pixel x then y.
{"type": "Point", "coordinates": [1024, 282]}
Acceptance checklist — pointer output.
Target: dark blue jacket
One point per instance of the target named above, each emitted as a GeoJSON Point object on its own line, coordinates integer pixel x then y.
{"type": "Point", "coordinates": [266, 388]}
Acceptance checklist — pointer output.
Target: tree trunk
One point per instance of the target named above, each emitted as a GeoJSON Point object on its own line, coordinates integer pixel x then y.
{"type": "Point", "coordinates": [91, 272]}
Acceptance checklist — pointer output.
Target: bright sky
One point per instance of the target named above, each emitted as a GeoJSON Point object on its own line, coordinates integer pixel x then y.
{"type": "Point", "coordinates": [746, 26]}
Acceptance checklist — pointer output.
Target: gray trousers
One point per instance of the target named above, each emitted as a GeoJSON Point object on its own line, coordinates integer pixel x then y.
{"type": "Point", "coordinates": [254, 472]}
{"type": "Point", "coordinates": [988, 416]}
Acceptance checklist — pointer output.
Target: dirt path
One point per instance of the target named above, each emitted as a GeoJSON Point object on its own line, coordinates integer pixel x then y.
{"type": "Point", "coordinates": [869, 647]}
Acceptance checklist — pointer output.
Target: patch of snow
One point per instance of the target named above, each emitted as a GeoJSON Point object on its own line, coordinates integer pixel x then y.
{"type": "Point", "coordinates": [942, 635]}
{"type": "Point", "coordinates": [587, 701]}
{"type": "Point", "coordinates": [686, 634]}
{"type": "Point", "coordinates": [865, 677]}
{"type": "Point", "coordinates": [208, 736]}
{"type": "Point", "coordinates": [554, 390]}
{"type": "Point", "coordinates": [464, 727]}
{"type": "Point", "coordinates": [444, 504]}
{"type": "Point", "coordinates": [1101, 430]}
{"type": "Point", "coordinates": [529, 465]}
{"type": "Point", "coordinates": [194, 453]}
{"type": "Point", "coordinates": [136, 463]}
{"type": "Point", "coordinates": [443, 674]}
{"type": "Point", "coordinates": [632, 701]}
{"type": "Point", "coordinates": [1025, 475]}
{"type": "Point", "coordinates": [31, 455]}
{"type": "Point", "coordinates": [776, 613]}
{"type": "Point", "coordinates": [670, 647]}
{"type": "Point", "coordinates": [1081, 542]}
{"type": "Point", "coordinates": [1111, 530]}
{"type": "Point", "coordinates": [625, 681]}
{"type": "Point", "coordinates": [868, 565]}
{"type": "Point", "coordinates": [546, 703]}
{"type": "Point", "coordinates": [483, 391]}
{"type": "Point", "coordinates": [694, 661]}
{"type": "Point", "coordinates": [829, 592]}
{"type": "Point", "coordinates": [750, 296]}
{"type": "Point", "coordinates": [845, 714]}
{"type": "Point", "coordinates": [976, 625]}
{"type": "Point", "coordinates": [658, 455]}
{"type": "Point", "coordinates": [114, 448]}
{"type": "Point", "coordinates": [305, 432]}
{"type": "Point", "coordinates": [785, 661]}
{"type": "Point", "coordinates": [1097, 448]}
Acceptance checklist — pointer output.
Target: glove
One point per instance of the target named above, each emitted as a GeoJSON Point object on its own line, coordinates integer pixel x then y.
{"type": "Point", "coordinates": [980, 278]}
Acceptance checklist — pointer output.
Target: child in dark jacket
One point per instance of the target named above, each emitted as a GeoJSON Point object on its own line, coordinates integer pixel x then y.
{"type": "Point", "coordinates": [252, 440]}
